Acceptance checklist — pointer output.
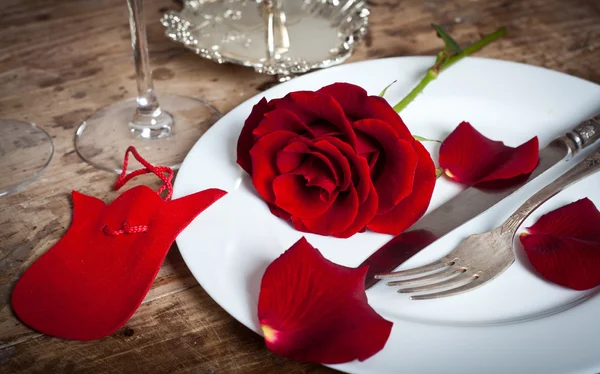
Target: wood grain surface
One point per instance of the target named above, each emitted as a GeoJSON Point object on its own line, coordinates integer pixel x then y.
{"type": "Point", "coordinates": [60, 60]}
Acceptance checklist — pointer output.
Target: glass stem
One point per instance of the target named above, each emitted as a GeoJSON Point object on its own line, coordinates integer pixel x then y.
{"type": "Point", "coordinates": [148, 114]}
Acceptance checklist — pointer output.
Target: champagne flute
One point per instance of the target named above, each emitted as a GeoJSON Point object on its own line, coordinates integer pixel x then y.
{"type": "Point", "coordinates": [163, 133]}
{"type": "Point", "coordinates": [25, 152]}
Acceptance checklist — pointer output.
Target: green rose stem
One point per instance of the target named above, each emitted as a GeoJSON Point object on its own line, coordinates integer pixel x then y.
{"type": "Point", "coordinates": [444, 61]}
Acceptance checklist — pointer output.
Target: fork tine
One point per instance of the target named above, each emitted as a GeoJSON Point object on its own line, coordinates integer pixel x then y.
{"type": "Point", "coordinates": [474, 283]}
{"type": "Point", "coordinates": [418, 270]}
{"type": "Point", "coordinates": [430, 278]}
{"type": "Point", "coordinates": [453, 282]}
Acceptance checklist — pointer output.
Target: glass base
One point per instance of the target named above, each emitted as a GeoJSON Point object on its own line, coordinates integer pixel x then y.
{"type": "Point", "coordinates": [25, 152]}
{"type": "Point", "coordinates": [102, 138]}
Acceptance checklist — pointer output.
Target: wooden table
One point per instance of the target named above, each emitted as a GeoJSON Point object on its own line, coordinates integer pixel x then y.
{"type": "Point", "coordinates": [60, 60]}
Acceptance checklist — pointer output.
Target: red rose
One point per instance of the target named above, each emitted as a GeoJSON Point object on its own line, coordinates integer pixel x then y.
{"type": "Point", "coordinates": [336, 161]}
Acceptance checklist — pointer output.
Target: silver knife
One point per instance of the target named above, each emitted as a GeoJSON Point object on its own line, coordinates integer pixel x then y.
{"type": "Point", "coordinates": [472, 202]}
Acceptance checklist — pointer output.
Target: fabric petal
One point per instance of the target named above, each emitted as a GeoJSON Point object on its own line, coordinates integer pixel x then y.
{"type": "Point", "coordinates": [263, 156]}
{"type": "Point", "coordinates": [357, 105]}
{"type": "Point", "coordinates": [246, 139]}
{"type": "Point", "coordinates": [409, 210]}
{"type": "Point", "coordinates": [397, 164]}
{"type": "Point", "coordinates": [311, 309]}
{"type": "Point", "coordinates": [564, 245]}
{"type": "Point", "coordinates": [470, 158]}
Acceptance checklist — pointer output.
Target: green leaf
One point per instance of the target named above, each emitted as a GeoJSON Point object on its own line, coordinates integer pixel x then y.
{"type": "Point", "coordinates": [382, 94]}
{"type": "Point", "coordinates": [438, 172]}
{"type": "Point", "coordinates": [422, 139]}
{"type": "Point", "coordinates": [450, 43]}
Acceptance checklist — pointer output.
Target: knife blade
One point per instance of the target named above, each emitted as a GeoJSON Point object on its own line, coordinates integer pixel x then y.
{"type": "Point", "coordinates": [471, 202]}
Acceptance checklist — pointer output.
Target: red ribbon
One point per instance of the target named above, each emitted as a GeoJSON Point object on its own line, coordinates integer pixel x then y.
{"type": "Point", "coordinates": [159, 171]}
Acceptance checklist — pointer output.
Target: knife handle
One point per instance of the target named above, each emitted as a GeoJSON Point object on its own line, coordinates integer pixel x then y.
{"type": "Point", "coordinates": [586, 133]}
{"type": "Point", "coordinates": [587, 167]}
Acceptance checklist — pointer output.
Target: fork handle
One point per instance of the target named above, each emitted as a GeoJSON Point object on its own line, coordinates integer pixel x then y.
{"type": "Point", "coordinates": [587, 167]}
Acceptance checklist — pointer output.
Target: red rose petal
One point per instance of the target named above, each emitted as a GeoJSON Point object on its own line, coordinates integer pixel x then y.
{"type": "Point", "coordinates": [292, 156]}
{"type": "Point", "coordinates": [579, 220]}
{"type": "Point", "coordinates": [312, 106]}
{"type": "Point", "coordinates": [281, 119]}
{"type": "Point", "coordinates": [293, 196]}
{"type": "Point", "coordinates": [317, 174]}
{"type": "Point", "coordinates": [311, 309]}
{"type": "Point", "coordinates": [398, 164]}
{"type": "Point", "coordinates": [564, 245]}
{"type": "Point", "coordinates": [337, 218]}
{"type": "Point", "coordinates": [469, 157]}
{"type": "Point", "coordinates": [362, 180]}
{"type": "Point", "coordinates": [323, 128]}
{"type": "Point", "coordinates": [357, 104]}
{"type": "Point", "coordinates": [289, 158]}
{"type": "Point", "coordinates": [246, 139]}
{"type": "Point", "coordinates": [338, 159]}
{"type": "Point", "coordinates": [263, 156]}
{"type": "Point", "coordinates": [366, 212]}
{"type": "Point", "coordinates": [409, 210]}
{"type": "Point", "coordinates": [278, 212]}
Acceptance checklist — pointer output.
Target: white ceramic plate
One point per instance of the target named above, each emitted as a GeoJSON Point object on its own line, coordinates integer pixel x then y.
{"type": "Point", "coordinates": [516, 324]}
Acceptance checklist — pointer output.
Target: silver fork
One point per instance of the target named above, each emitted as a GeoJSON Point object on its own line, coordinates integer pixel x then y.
{"type": "Point", "coordinates": [482, 257]}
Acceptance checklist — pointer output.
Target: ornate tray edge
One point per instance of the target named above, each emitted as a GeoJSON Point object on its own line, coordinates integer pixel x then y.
{"type": "Point", "coordinates": [177, 29]}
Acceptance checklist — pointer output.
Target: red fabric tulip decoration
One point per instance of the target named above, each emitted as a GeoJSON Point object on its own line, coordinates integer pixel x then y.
{"type": "Point", "coordinates": [95, 277]}
{"type": "Point", "coordinates": [564, 245]}
{"type": "Point", "coordinates": [468, 157]}
{"type": "Point", "coordinates": [311, 309]}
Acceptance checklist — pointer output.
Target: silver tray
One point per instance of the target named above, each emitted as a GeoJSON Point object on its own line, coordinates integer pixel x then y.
{"type": "Point", "coordinates": [275, 37]}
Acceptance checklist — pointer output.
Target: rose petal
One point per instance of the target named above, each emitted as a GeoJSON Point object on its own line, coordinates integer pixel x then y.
{"type": "Point", "coordinates": [295, 197]}
{"type": "Point", "coordinates": [357, 104]}
{"type": "Point", "coordinates": [362, 180]}
{"type": "Point", "coordinates": [323, 128]}
{"type": "Point", "coordinates": [366, 212]}
{"type": "Point", "coordinates": [579, 220]}
{"type": "Point", "coordinates": [246, 139]}
{"type": "Point", "coordinates": [278, 212]}
{"type": "Point", "coordinates": [409, 210]}
{"type": "Point", "coordinates": [365, 147]}
{"type": "Point", "coordinates": [338, 159]}
{"type": "Point", "coordinates": [263, 156]}
{"type": "Point", "coordinates": [564, 245]}
{"type": "Point", "coordinates": [337, 218]}
{"type": "Point", "coordinates": [568, 262]}
{"type": "Point", "coordinates": [281, 119]}
{"type": "Point", "coordinates": [311, 309]}
{"type": "Point", "coordinates": [469, 157]}
{"type": "Point", "coordinates": [317, 174]}
{"type": "Point", "coordinates": [292, 156]}
{"type": "Point", "coordinates": [397, 164]}
{"type": "Point", "coordinates": [315, 107]}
